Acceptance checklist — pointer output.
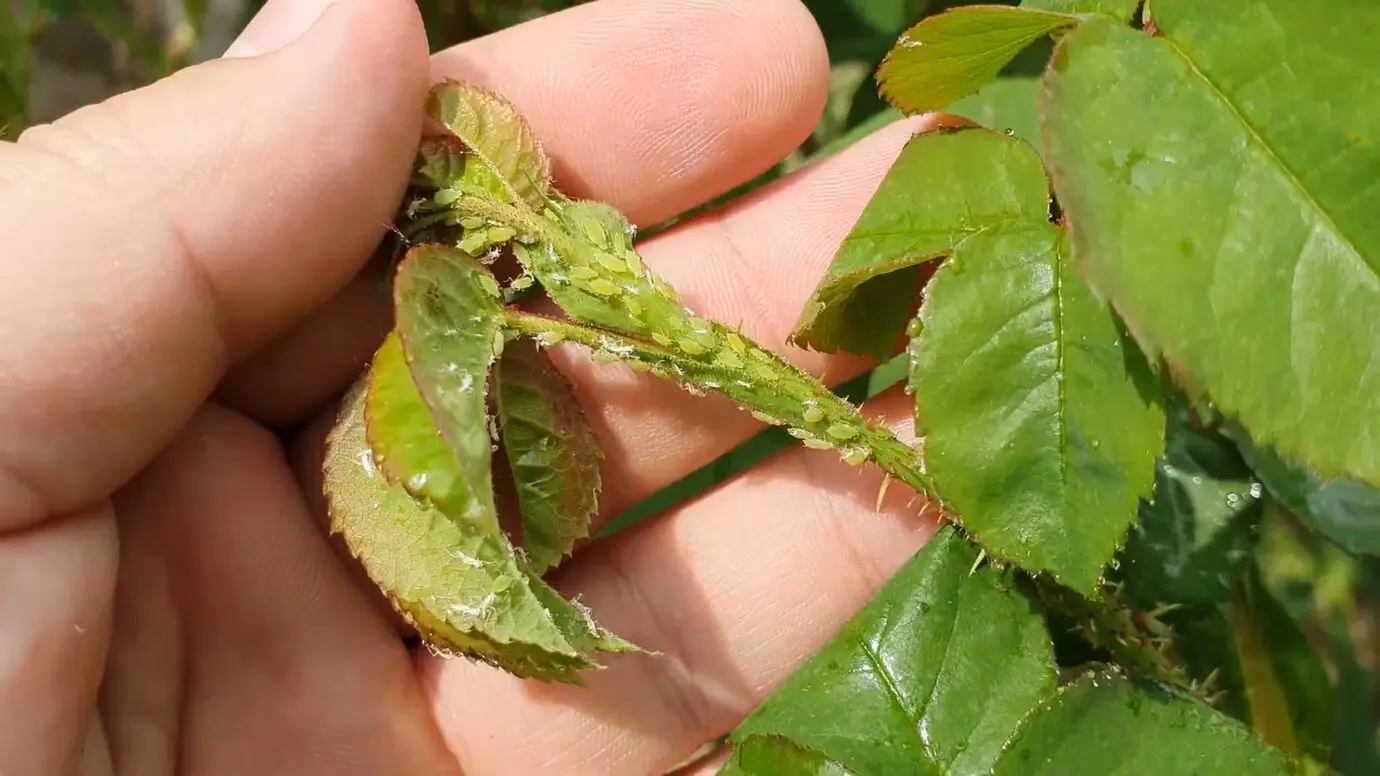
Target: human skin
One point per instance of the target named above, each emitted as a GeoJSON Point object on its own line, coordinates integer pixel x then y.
{"type": "Point", "coordinates": [186, 283]}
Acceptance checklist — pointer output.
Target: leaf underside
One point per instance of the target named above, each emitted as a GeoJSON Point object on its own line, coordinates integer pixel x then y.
{"type": "Point", "coordinates": [952, 54]}
{"type": "Point", "coordinates": [1219, 183]}
{"type": "Point", "coordinates": [552, 452]}
{"type": "Point", "coordinates": [1041, 425]}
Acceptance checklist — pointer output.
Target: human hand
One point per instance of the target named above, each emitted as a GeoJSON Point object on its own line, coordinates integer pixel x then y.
{"type": "Point", "coordinates": [204, 237]}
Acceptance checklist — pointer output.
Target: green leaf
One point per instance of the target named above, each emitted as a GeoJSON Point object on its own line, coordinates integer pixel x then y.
{"type": "Point", "coordinates": [1103, 725]}
{"type": "Point", "coordinates": [1345, 511]}
{"type": "Point", "coordinates": [1191, 542]}
{"type": "Point", "coordinates": [1284, 683]}
{"type": "Point", "coordinates": [1010, 104]}
{"type": "Point", "coordinates": [943, 188]}
{"type": "Point", "coordinates": [552, 451]}
{"type": "Point", "coordinates": [460, 585]}
{"type": "Point", "coordinates": [1263, 669]}
{"type": "Point", "coordinates": [1041, 426]}
{"type": "Point", "coordinates": [504, 158]}
{"type": "Point", "coordinates": [952, 54]}
{"type": "Point", "coordinates": [450, 320]}
{"type": "Point", "coordinates": [1121, 10]}
{"type": "Point", "coordinates": [409, 449]}
{"type": "Point", "coordinates": [778, 757]}
{"type": "Point", "coordinates": [893, 693]}
{"type": "Point", "coordinates": [1219, 184]}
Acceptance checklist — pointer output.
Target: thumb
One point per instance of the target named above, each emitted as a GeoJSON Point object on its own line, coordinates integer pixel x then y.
{"type": "Point", "coordinates": [155, 238]}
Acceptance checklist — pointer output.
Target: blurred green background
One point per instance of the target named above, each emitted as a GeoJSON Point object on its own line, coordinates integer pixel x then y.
{"type": "Point", "coordinates": [57, 55]}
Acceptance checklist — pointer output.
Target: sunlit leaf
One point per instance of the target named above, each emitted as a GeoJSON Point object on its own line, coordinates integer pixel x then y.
{"type": "Point", "coordinates": [761, 755]}
{"type": "Point", "coordinates": [952, 54]}
{"type": "Point", "coordinates": [505, 159]}
{"type": "Point", "coordinates": [552, 452]}
{"type": "Point", "coordinates": [944, 188]}
{"type": "Point", "coordinates": [1121, 10]}
{"type": "Point", "coordinates": [407, 446]}
{"type": "Point", "coordinates": [893, 693]}
{"type": "Point", "coordinates": [1344, 510]}
{"type": "Point", "coordinates": [1009, 104]}
{"type": "Point", "coordinates": [1041, 426]}
{"type": "Point", "coordinates": [450, 320]}
{"type": "Point", "coordinates": [1219, 185]}
{"type": "Point", "coordinates": [1190, 544]}
{"type": "Point", "coordinates": [461, 586]}
{"type": "Point", "coordinates": [1103, 725]}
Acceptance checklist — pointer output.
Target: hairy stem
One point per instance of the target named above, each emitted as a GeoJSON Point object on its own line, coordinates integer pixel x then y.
{"type": "Point", "coordinates": [774, 390]}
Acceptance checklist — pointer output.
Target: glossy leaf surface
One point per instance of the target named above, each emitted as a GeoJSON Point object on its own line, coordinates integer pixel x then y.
{"type": "Point", "coordinates": [1041, 426]}
{"type": "Point", "coordinates": [944, 188]}
{"type": "Point", "coordinates": [897, 682]}
{"type": "Point", "coordinates": [1219, 184]}
{"type": "Point", "coordinates": [951, 55]}
{"type": "Point", "coordinates": [1103, 725]}
{"type": "Point", "coordinates": [552, 452]}
{"type": "Point", "coordinates": [762, 755]}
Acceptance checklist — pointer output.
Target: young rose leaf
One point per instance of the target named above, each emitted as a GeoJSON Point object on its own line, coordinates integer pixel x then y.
{"type": "Point", "coordinates": [409, 449]}
{"type": "Point", "coordinates": [1219, 186]}
{"type": "Point", "coordinates": [502, 156]}
{"type": "Point", "coordinates": [450, 321]}
{"type": "Point", "coordinates": [1121, 10]}
{"type": "Point", "coordinates": [893, 692]}
{"type": "Point", "coordinates": [1194, 537]}
{"type": "Point", "coordinates": [1010, 104]}
{"type": "Point", "coordinates": [944, 188]}
{"type": "Point", "coordinates": [1344, 510]}
{"type": "Point", "coordinates": [762, 755]}
{"type": "Point", "coordinates": [1104, 725]}
{"type": "Point", "coordinates": [552, 451]}
{"type": "Point", "coordinates": [952, 54]}
{"type": "Point", "coordinates": [462, 586]}
{"type": "Point", "coordinates": [1041, 425]}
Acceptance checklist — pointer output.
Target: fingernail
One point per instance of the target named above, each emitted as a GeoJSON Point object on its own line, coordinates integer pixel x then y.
{"type": "Point", "coordinates": [277, 24]}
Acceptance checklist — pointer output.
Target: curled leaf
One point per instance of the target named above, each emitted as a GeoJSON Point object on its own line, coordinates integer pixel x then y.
{"type": "Point", "coordinates": [450, 322]}
{"type": "Point", "coordinates": [552, 451]}
{"type": "Point", "coordinates": [463, 587]}
{"type": "Point", "coordinates": [502, 156]}
{"type": "Point", "coordinates": [406, 444]}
